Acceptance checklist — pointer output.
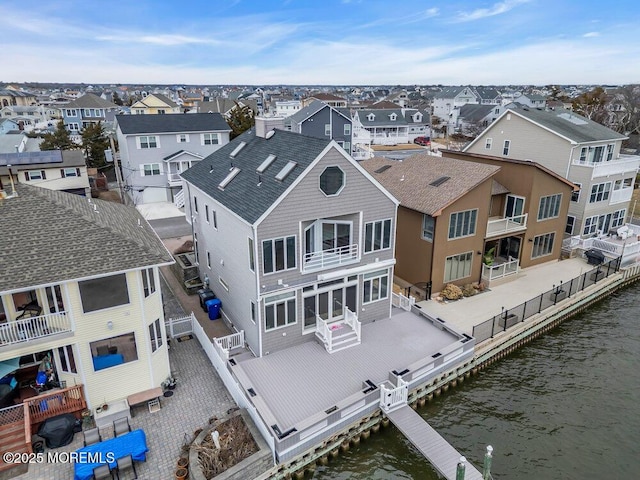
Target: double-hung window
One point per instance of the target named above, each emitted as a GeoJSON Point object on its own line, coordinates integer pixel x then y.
{"type": "Point", "coordinates": [35, 175]}
{"type": "Point", "coordinates": [377, 235]}
{"type": "Point", "coordinates": [428, 227]}
{"type": "Point", "coordinates": [600, 192]}
{"type": "Point", "coordinates": [487, 143]}
{"type": "Point", "coordinates": [148, 141]}
{"type": "Point", "coordinates": [549, 206]}
{"type": "Point", "coordinates": [347, 129]}
{"type": "Point", "coordinates": [67, 359]}
{"type": "Point", "coordinates": [210, 139]}
{"type": "Point", "coordinates": [279, 310]}
{"type": "Point", "coordinates": [463, 224]}
{"type": "Point", "coordinates": [155, 335]}
{"type": "Point", "coordinates": [279, 254]}
{"type": "Point", "coordinates": [505, 148]}
{"type": "Point", "coordinates": [575, 195]}
{"type": "Point", "coordinates": [375, 286]}
{"type": "Point", "coordinates": [149, 169]}
{"type": "Point", "coordinates": [610, 149]}
{"type": "Point", "coordinates": [590, 225]}
{"type": "Point", "coordinates": [617, 219]}
{"type": "Point", "coordinates": [148, 281]}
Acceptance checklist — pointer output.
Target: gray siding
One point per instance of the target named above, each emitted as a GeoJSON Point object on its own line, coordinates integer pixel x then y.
{"type": "Point", "coordinates": [229, 253]}
{"type": "Point", "coordinates": [306, 203]}
{"type": "Point", "coordinates": [315, 126]}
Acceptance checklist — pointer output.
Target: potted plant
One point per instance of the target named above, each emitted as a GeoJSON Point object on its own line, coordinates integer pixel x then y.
{"type": "Point", "coordinates": [169, 383]}
{"type": "Point", "coordinates": [488, 257]}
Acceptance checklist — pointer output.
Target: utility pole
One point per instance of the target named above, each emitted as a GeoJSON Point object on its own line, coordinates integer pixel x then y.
{"type": "Point", "coordinates": [116, 163]}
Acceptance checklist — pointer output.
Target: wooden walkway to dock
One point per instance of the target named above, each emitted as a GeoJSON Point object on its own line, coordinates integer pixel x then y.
{"type": "Point", "coordinates": [438, 451]}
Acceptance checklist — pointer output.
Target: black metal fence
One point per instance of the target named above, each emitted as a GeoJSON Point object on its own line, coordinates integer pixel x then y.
{"type": "Point", "coordinates": [511, 317]}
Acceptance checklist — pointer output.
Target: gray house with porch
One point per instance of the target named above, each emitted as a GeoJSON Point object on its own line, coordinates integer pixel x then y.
{"type": "Point", "coordinates": [155, 149]}
{"type": "Point", "coordinates": [323, 121]}
{"type": "Point", "coordinates": [294, 237]}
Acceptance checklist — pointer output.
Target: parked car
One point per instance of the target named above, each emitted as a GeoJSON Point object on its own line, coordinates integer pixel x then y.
{"type": "Point", "coordinates": [424, 141]}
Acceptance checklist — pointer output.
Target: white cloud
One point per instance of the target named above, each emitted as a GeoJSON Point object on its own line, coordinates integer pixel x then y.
{"type": "Point", "coordinates": [591, 34]}
{"type": "Point", "coordinates": [496, 9]}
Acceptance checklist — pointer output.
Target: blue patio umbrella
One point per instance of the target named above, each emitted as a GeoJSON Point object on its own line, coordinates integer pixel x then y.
{"type": "Point", "coordinates": [8, 366]}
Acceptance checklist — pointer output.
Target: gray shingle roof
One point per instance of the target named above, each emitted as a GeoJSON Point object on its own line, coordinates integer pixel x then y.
{"type": "Point", "coordinates": [409, 180]}
{"type": "Point", "coordinates": [569, 124]}
{"type": "Point", "coordinates": [90, 100]}
{"type": "Point", "coordinates": [475, 112]}
{"type": "Point", "coordinates": [51, 236]}
{"type": "Point", "coordinates": [243, 195]}
{"type": "Point", "coordinates": [173, 123]}
{"type": "Point", "coordinates": [308, 111]}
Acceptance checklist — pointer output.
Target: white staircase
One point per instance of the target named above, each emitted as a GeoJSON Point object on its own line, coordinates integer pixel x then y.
{"type": "Point", "coordinates": [339, 335]}
{"type": "Point", "coordinates": [178, 199]}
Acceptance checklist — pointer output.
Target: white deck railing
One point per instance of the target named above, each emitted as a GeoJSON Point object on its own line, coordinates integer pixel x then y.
{"type": "Point", "coordinates": [178, 199]}
{"type": "Point", "coordinates": [620, 196]}
{"type": "Point", "coordinates": [225, 344]}
{"type": "Point", "coordinates": [493, 272]}
{"type": "Point", "coordinates": [330, 258]}
{"type": "Point", "coordinates": [174, 177]}
{"type": "Point", "coordinates": [351, 319]}
{"type": "Point", "coordinates": [400, 301]}
{"type": "Point", "coordinates": [507, 224]}
{"type": "Point", "coordinates": [624, 164]}
{"type": "Point", "coordinates": [325, 330]}
{"type": "Point", "coordinates": [393, 398]}
{"type": "Point", "coordinates": [26, 329]}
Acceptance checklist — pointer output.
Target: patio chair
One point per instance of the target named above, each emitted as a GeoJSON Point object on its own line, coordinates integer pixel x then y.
{"type": "Point", "coordinates": [102, 472]}
{"type": "Point", "coordinates": [92, 436]}
{"type": "Point", "coordinates": [125, 463]}
{"type": "Point", "coordinates": [121, 426]}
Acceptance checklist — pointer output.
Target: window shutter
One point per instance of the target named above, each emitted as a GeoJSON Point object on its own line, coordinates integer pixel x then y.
{"type": "Point", "coordinates": [26, 176]}
{"type": "Point", "coordinates": [78, 172]}
{"type": "Point", "coordinates": [62, 173]}
{"type": "Point", "coordinates": [44, 177]}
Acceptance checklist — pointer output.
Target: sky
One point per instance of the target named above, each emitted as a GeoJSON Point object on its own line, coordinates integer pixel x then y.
{"type": "Point", "coordinates": [321, 42]}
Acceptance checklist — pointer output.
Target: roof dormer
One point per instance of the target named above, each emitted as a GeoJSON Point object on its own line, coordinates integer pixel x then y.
{"type": "Point", "coordinates": [393, 117]}
{"type": "Point", "coordinates": [417, 117]}
{"type": "Point", "coordinates": [371, 117]}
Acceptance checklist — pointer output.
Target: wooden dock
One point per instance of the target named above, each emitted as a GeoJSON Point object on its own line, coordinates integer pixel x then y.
{"type": "Point", "coordinates": [436, 449]}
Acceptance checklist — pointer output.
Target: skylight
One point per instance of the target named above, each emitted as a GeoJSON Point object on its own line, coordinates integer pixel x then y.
{"type": "Point", "coordinates": [572, 118]}
{"type": "Point", "coordinates": [439, 181]}
{"type": "Point", "coordinates": [236, 150]}
{"type": "Point", "coordinates": [383, 168]}
{"type": "Point", "coordinates": [286, 170]}
{"type": "Point", "coordinates": [264, 165]}
{"type": "Point", "coordinates": [230, 176]}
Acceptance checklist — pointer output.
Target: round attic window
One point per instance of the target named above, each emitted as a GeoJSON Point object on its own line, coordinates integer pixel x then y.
{"type": "Point", "coordinates": [331, 181]}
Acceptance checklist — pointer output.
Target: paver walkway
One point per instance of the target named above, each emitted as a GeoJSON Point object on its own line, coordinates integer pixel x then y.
{"type": "Point", "coordinates": [199, 396]}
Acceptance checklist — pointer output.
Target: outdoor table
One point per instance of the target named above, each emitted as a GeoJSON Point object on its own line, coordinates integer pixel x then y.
{"type": "Point", "coordinates": [133, 443]}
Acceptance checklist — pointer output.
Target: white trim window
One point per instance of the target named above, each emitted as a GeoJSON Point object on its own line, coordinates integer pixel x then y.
{"type": "Point", "coordinates": [210, 139]}
{"type": "Point", "coordinates": [148, 281]}
{"type": "Point", "coordinates": [148, 141]}
{"type": "Point", "coordinates": [252, 260]}
{"type": "Point", "coordinates": [617, 219]}
{"type": "Point", "coordinates": [571, 223]}
{"type": "Point", "coordinates": [600, 192]}
{"type": "Point", "coordinates": [87, 112]}
{"type": "Point", "coordinates": [214, 217]}
{"type": "Point", "coordinates": [610, 148]}
{"type": "Point", "coordinates": [35, 175]}
{"type": "Point", "coordinates": [375, 286]}
{"type": "Point", "coordinates": [575, 195]}
{"type": "Point", "coordinates": [69, 172]}
{"type": "Point", "coordinates": [67, 359]}
{"type": "Point", "coordinates": [549, 206]}
{"type": "Point", "coordinates": [347, 130]}
{"type": "Point", "coordinates": [377, 235]}
{"type": "Point", "coordinates": [590, 225]}
{"type": "Point", "coordinates": [327, 129]}
{"type": "Point", "coordinates": [462, 224]}
{"type": "Point", "coordinates": [542, 245]}
{"type": "Point", "coordinates": [428, 227]}
{"type": "Point", "coordinates": [208, 260]}
{"type": "Point", "coordinates": [150, 169]}
{"type": "Point", "coordinates": [279, 311]}
{"type": "Point", "coordinates": [506, 147]}
{"type": "Point", "coordinates": [487, 143]}
{"type": "Point", "coordinates": [71, 112]}
{"type": "Point", "coordinates": [254, 311]}
{"type": "Point", "coordinates": [583, 155]}
{"type": "Point", "coordinates": [279, 254]}
{"type": "Point", "coordinates": [224, 284]}
{"type": "Point", "coordinates": [458, 266]}
{"type": "Point", "coordinates": [182, 138]}
{"type": "Point", "coordinates": [74, 127]}
{"type": "Point", "coordinates": [155, 335]}
{"type": "Point", "coordinates": [206, 213]}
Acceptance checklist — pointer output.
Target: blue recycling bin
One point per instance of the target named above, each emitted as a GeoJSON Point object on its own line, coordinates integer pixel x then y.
{"type": "Point", "coordinates": [213, 308]}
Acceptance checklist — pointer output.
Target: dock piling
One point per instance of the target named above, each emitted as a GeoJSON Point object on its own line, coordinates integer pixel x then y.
{"type": "Point", "coordinates": [461, 468]}
{"type": "Point", "coordinates": [486, 469]}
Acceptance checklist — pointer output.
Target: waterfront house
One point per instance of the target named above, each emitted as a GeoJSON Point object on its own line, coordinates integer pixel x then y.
{"type": "Point", "coordinates": [63, 170]}
{"type": "Point", "coordinates": [465, 219]}
{"type": "Point", "coordinates": [155, 149]}
{"type": "Point", "coordinates": [328, 98]}
{"type": "Point", "coordinates": [87, 110]}
{"type": "Point", "coordinates": [321, 120]}
{"type": "Point", "coordinates": [154, 104]}
{"type": "Point", "coordinates": [389, 126]}
{"type": "Point", "coordinates": [79, 285]}
{"type": "Point", "coordinates": [581, 150]}
{"type": "Point", "coordinates": [294, 237]}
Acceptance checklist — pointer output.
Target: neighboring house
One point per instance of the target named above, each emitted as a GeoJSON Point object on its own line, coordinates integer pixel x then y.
{"type": "Point", "coordinates": [63, 170]}
{"type": "Point", "coordinates": [583, 151]}
{"type": "Point", "coordinates": [10, 96]}
{"type": "Point", "coordinates": [473, 118]}
{"type": "Point", "coordinates": [400, 99]}
{"type": "Point", "coordinates": [454, 213]}
{"type": "Point", "coordinates": [7, 125]}
{"type": "Point", "coordinates": [83, 287]}
{"type": "Point", "coordinates": [155, 149]}
{"type": "Point", "coordinates": [225, 106]}
{"type": "Point", "coordinates": [451, 98]}
{"type": "Point", "coordinates": [328, 98]}
{"type": "Point", "coordinates": [286, 108]}
{"type": "Point", "coordinates": [18, 142]}
{"type": "Point", "coordinates": [323, 121]}
{"type": "Point", "coordinates": [154, 104]}
{"type": "Point", "coordinates": [389, 126]}
{"type": "Point", "coordinates": [294, 238]}
{"type": "Point", "coordinates": [532, 100]}
{"type": "Point", "coordinates": [191, 99]}
{"type": "Point", "coordinates": [27, 116]}
{"type": "Point", "coordinates": [87, 110]}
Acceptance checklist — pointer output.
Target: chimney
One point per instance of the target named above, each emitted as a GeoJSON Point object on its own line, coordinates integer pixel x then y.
{"type": "Point", "coordinates": [266, 124]}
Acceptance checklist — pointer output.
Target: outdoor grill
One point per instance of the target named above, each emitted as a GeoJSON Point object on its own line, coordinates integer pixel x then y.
{"type": "Point", "coordinates": [594, 257]}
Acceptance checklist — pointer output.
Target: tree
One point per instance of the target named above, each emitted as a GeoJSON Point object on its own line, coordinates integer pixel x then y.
{"type": "Point", "coordinates": [240, 119]}
{"type": "Point", "coordinates": [60, 139]}
{"type": "Point", "coordinates": [626, 107]}
{"type": "Point", "coordinates": [116, 99]}
{"type": "Point", "coordinates": [593, 105]}
{"type": "Point", "coordinates": [94, 142]}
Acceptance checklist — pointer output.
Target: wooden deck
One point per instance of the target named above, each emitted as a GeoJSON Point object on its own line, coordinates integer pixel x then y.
{"type": "Point", "coordinates": [436, 449]}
